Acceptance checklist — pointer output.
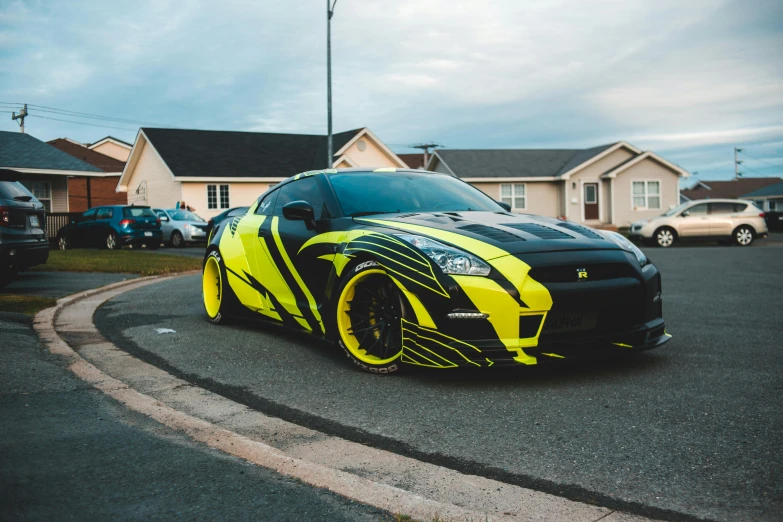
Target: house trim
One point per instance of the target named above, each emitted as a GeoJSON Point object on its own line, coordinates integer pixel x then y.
{"type": "Point", "coordinates": [509, 179]}
{"type": "Point", "coordinates": [641, 157]}
{"type": "Point", "coordinates": [213, 180]}
{"type": "Point", "coordinates": [61, 172]}
{"type": "Point", "coordinates": [367, 132]}
{"type": "Point", "coordinates": [134, 160]}
{"type": "Point", "coordinates": [346, 159]}
{"type": "Point", "coordinates": [436, 155]}
{"type": "Point", "coordinates": [600, 156]}
{"type": "Point", "coordinates": [105, 140]}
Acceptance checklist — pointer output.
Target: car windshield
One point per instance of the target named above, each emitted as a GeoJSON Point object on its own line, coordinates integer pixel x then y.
{"type": "Point", "coordinates": [184, 215]}
{"type": "Point", "coordinates": [131, 212]}
{"type": "Point", "coordinates": [389, 192]}
{"type": "Point", "coordinates": [675, 210]}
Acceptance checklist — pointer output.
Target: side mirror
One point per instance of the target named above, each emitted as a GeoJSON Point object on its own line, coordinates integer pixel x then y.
{"type": "Point", "coordinates": [506, 206]}
{"type": "Point", "coordinates": [299, 211]}
{"type": "Point", "coordinates": [685, 214]}
{"type": "Point", "coordinates": [164, 218]}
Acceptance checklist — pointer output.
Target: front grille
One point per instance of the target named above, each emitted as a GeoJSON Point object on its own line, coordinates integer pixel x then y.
{"type": "Point", "coordinates": [538, 230]}
{"type": "Point", "coordinates": [570, 273]}
{"type": "Point", "coordinates": [570, 321]}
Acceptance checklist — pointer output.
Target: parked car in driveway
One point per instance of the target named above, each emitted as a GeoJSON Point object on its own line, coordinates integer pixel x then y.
{"type": "Point", "coordinates": [112, 227]}
{"type": "Point", "coordinates": [181, 227]}
{"type": "Point", "coordinates": [735, 220]}
{"type": "Point", "coordinates": [230, 213]}
{"type": "Point", "coordinates": [23, 240]}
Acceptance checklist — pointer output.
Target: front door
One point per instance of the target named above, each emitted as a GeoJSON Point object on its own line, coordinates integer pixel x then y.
{"type": "Point", "coordinates": [591, 201]}
{"type": "Point", "coordinates": [694, 221]}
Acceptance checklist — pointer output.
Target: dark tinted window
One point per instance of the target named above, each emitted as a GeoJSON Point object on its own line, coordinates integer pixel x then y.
{"type": "Point", "coordinates": [305, 189]}
{"type": "Point", "coordinates": [370, 192]}
{"type": "Point", "coordinates": [12, 189]}
{"type": "Point", "coordinates": [104, 213]}
{"type": "Point", "coordinates": [89, 215]}
{"type": "Point", "coordinates": [740, 207]}
{"type": "Point", "coordinates": [134, 212]}
{"type": "Point", "coordinates": [698, 210]}
{"type": "Point", "coordinates": [267, 205]}
{"type": "Point", "coordinates": [722, 208]}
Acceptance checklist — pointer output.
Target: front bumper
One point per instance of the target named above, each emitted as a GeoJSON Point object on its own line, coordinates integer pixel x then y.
{"type": "Point", "coordinates": [24, 255]}
{"type": "Point", "coordinates": [195, 235]}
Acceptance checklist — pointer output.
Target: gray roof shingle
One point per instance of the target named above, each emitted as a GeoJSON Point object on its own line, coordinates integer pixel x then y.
{"type": "Point", "coordinates": [23, 151]}
{"type": "Point", "coordinates": [517, 163]}
{"type": "Point", "coordinates": [768, 191]}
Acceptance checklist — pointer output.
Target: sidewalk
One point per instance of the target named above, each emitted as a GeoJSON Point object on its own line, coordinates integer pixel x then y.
{"type": "Point", "coordinates": [68, 452]}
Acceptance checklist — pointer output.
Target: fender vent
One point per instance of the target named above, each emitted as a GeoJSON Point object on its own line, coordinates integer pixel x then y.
{"type": "Point", "coordinates": [491, 233]}
{"type": "Point", "coordinates": [538, 230]}
{"type": "Point", "coordinates": [573, 227]}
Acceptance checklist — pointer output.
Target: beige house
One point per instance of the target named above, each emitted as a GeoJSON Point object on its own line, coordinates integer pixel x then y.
{"type": "Point", "coordinates": [211, 171]}
{"type": "Point", "coordinates": [112, 147]}
{"type": "Point", "coordinates": [609, 185]}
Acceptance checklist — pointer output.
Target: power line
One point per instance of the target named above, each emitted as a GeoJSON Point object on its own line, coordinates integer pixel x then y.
{"type": "Point", "coordinates": [82, 123]}
{"type": "Point", "coordinates": [745, 165]}
{"type": "Point", "coordinates": [762, 160]}
{"type": "Point", "coordinates": [79, 114]}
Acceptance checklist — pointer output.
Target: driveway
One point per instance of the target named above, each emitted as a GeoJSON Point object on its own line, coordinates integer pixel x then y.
{"type": "Point", "coordinates": [694, 427]}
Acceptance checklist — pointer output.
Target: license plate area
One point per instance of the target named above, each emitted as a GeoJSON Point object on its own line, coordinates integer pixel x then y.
{"type": "Point", "coordinates": [148, 234]}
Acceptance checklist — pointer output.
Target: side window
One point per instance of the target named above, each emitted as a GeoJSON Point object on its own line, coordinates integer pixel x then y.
{"type": "Point", "coordinates": [104, 213]}
{"type": "Point", "coordinates": [740, 207]}
{"type": "Point", "coordinates": [698, 210]}
{"type": "Point", "coordinates": [721, 208]}
{"type": "Point", "coordinates": [161, 214]}
{"type": "Point", "coordinates": [305, 189]}
{"type": "Point", "coordinates": [267, 205]}
{"type": "Point", "coordinates": [89, 215]}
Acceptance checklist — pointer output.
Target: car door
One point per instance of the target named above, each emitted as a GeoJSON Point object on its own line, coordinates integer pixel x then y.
{"type": "Point", "coordinates": [165, 224]}
{"type": "Point", "coordinates": [694, 221]}
{"type": "Point", "coordinates": [722, 216]}
{"type": "Point", "coordinates": [81, 232]}
{"type": "Point", "coordinates": [297, 281]}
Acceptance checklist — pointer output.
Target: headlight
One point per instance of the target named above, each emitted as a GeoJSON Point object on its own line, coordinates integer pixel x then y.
{"type": "Point", "coordinates": [451, 260]}
{"type": "Point", "coordinates": [623, 243]}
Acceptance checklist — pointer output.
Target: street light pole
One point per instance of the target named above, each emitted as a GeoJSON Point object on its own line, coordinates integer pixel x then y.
{"type": "Point", "coordinates": [329, 146]}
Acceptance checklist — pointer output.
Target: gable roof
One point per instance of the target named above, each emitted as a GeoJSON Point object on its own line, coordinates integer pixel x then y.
{"type": "Point", "coordinates": [233, 154]}
{"type": "Point", "coordinates": [414, 161]}
{"type": "Point", "coordinates": [768, 191]}
{"type": "Point", "coordinates": [630, 162]}
{"type": "Point", "coordinates": [516, 163]}
{"type": "Point", "coordinates": [25, 153]}
{"type": "Point", "coordinates": [112, 139]}
{"type": "Point", "coordinates": [731, 189]}
{"type": "Point", "coordinates": [94, 158]}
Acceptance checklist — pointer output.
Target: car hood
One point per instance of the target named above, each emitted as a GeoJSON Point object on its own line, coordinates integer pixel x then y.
{"type": "Point", "coordinates": [511, 232]}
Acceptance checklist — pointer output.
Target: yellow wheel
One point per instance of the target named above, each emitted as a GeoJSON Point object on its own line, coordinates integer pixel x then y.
{"type": "Point", "coordinates": [214, 288]}
{"type": "Point", "coordinates": [369, 319]}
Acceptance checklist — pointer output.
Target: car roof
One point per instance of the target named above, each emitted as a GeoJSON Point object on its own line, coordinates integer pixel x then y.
{"type": "Point", "coordinates": [721, 200]}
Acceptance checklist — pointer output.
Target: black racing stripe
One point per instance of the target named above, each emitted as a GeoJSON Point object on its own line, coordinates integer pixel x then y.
{"type": "Point", "coordinates": [509, 287]}
{"type": "Point", "coordinates": [301, 299]}
{"type": "Point", "coordinates": [287, 318]}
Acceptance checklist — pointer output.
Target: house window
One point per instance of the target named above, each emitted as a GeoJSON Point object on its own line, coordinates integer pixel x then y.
{"type": "Point", "coordinates": [514, 195]}
{"type": "Point", "coordinates": [646, 195]}
{"type": "Point", "coordinates": [773, 205]}
{"type": "Point", "coordinates": [42, 190]}
{"type": "Point", "coordinates": [213, 201]}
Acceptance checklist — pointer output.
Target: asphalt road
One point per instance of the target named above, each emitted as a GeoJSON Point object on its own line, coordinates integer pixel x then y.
{"type": "Point", "coordinates": [693, 428]}
{"type": "Point", "coordinates": [188, 251]}
{"type": "Point", "coordinates": [59, 284]}
{"type": "Point", "coordinates": [68, 452]}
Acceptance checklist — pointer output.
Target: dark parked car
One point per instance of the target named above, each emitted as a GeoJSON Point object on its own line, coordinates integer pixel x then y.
{"type": "Point", "coordinates": [112, 227]}
{"type": "Point", "coordinates": [232, 212]}
{"type": "Point", "coordinates": [23, 240]}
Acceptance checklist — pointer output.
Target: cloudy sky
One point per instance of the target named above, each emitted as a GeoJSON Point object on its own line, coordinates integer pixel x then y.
{"type": "Point", "coordinates": [687, 79]}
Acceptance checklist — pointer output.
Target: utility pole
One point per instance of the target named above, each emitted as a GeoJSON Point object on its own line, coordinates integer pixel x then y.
{"type": "Point", "coordinates": [426, 148]}
{"type": "Point", "coordinates": [737, 163]}
{"type": "Point", "coordinates": [329, 145]}
{"type": "Point", "coordinates": [21, 116]}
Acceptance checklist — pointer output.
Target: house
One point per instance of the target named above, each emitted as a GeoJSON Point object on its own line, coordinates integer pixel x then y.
{"type": "Point", "coordinates": [768, 198]}
{"type": "Point", "coordinates": [609, 185]}
{"type": "Point", "coordinates": [112, 147]}
{"type": "Point", "coordinates": [731, 189]}
{"type": "Point", "coordinates": [211, 171]}
{"type": "Point", "coordinates": [88, 192]}
{"type": "Point", "coordinates": [45, 169]}
{"type": "Point", "coordinates": [414, 161]}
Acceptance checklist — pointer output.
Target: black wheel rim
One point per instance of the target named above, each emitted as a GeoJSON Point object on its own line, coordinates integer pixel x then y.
{"type": "Point", "coordinates": [375, 313]}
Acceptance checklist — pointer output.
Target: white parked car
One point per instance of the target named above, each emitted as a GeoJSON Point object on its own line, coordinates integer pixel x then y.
{"type": "Point", "coordinates": [736, 220]}
{"type": "Point", "coordinates": [181, 227]}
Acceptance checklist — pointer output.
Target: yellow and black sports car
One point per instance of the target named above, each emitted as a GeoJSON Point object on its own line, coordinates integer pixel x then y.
{"type": "Point", "coordinates": [413, 267]}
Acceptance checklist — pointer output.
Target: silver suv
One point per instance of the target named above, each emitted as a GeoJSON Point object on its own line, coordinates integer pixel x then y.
{"type": "Point", "coordinates": [736, 220]}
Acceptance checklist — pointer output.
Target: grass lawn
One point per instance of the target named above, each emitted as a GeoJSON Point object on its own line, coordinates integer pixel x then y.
{"type": "Point", "coordinates": [123, 261]}
{"type": "Point", "coordinates": [25, 304]}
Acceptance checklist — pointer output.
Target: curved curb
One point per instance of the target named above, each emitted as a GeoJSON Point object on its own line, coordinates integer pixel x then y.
{"type": "Point", "coordinates": [135, 384]}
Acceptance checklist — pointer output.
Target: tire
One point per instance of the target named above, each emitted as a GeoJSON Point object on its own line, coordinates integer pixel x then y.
{"type": "Point", "coordinates": [63, 243]}
{"type": "Point", "coordinates": [177, 241]}
{"type": "Point", "coordinates": [369, 328]}
{"type": "Point", "coordinates": [220, 303]}
{"type": "Point", "coordinates": [111, 243]}
{"type": "Point", "coordinates": [665, 237]}
{"type": "Point", "coordinates": [743, 235]}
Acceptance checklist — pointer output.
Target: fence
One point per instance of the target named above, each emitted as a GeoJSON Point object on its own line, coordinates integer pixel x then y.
{"type": "Point", "coordinates": [57, 220]}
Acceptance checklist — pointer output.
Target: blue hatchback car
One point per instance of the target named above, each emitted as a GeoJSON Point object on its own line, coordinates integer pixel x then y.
{"type": "Point", "coordinates": [112, 227]}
